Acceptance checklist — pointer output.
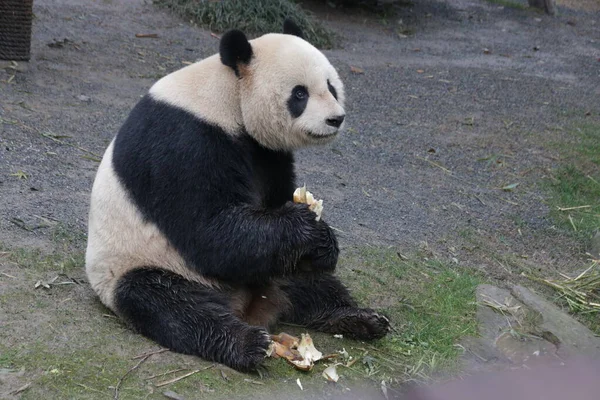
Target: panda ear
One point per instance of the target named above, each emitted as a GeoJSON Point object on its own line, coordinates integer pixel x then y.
{"type": "Point", "coordinates": [290, 28]}
{"type": "Point", "coordinates": [235, 49]}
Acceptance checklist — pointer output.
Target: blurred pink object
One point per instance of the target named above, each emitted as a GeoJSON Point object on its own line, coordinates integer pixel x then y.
{"type": "Point", "coordinates": [578, 380]}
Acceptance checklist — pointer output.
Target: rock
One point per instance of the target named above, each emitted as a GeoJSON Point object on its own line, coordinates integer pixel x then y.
{"type": "Point", "coordinates": [575, 338]}
{"type": "Point", "coordinates": [519, 328]}
{"type": "Point", "coordinates": [84, 98]}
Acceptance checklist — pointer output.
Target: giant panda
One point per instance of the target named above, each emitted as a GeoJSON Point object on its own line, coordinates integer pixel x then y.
{"type": "Point", "coordinates": [194, 240]}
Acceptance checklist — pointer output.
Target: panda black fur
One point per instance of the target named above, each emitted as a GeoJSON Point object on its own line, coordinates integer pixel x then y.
{"type": "Point", "coordinates": [193, 236]}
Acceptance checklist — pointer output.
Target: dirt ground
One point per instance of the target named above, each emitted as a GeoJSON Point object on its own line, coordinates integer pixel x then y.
{"type": "Point", "coordinates": [454, 100]}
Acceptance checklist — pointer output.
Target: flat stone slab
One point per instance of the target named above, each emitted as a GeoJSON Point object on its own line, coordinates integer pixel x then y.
{"type": "Point", "coordinates": [518, 328]}
{"type": "Point", "coordinates": [575, 338]}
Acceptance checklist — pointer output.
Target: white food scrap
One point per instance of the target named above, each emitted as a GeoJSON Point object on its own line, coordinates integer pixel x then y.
{"type": "Point", "coordinates": [299, 352]}
{"type": "Point", "coordinates": [331, 374]}
{"type": "Point", "coordinates": [301, 195]}
{"type": "Point", "coordinates": [307, 349]}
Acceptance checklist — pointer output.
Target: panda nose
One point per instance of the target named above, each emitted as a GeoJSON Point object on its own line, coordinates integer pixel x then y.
{"type": "Point", "coordinates": [335, 121]}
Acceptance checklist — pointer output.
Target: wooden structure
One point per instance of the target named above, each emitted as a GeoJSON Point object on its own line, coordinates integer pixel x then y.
{"type": "Point", "coordinates": [15, 29]}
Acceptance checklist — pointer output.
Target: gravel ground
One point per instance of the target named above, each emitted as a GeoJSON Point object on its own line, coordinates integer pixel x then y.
{"type": "Point", "coordinates": [470, 80]}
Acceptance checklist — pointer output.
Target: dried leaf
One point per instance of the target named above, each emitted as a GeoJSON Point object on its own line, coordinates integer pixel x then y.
{"type": "Point", "coordinates": [384, 390]}
{"type": "Point", "coordinates": [357, 70]}
{"type": "Point", "coordinates": [302, 354]}
{"type": "Point", "coordinates": [510, 187]}
{"type": "Point", "coordinates": [286, 340]}
{"type": "Point", "coordinates": [279, 350]}
{"type": "Point", "coordinates": [224, 375]}
{"type": "Point", "coordinates": [20, 175]}
{"type": "Point", "coordinates": [331, 374]}
{"type": "Point", "coordinates": [307, 349]}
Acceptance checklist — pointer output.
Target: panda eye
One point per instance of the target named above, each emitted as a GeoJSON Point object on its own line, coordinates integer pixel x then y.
{"type": "Point", "coordinates": [300, 93]}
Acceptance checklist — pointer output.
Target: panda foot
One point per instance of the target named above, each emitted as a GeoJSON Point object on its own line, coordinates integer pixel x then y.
{"type": "Point", "coordinates": [359, 323]}
{"type": "Point", "coordinates": [252, 350]}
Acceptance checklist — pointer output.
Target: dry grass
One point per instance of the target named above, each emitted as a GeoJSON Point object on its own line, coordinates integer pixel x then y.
{"type": "Point", "coordinates": [581, 293]}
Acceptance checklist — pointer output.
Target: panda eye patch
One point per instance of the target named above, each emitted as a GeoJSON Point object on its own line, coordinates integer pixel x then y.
{"type": "Point", "coordinates": [298, 101]}
{"type": "Point", "coordinates": [332, 89]}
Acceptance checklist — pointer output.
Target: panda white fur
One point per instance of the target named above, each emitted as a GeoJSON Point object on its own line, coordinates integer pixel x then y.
{"type": "Point", "coordinates": [193, 236]}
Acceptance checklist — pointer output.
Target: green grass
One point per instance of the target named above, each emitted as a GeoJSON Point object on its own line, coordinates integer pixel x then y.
{"type": "Point", "coordinates": [254, 17]}
{"type": "Point", "coordinates": [431, 304]}
{"type": "Point", "coordinates": [69, 348]}
{"type": "Point", "coordinates": [36, 260]}
{"type": "Point", "coordinates": [65, 257]}
{"type": "Point", "coordinates": [577, 183]}
{"type": "Point", "coordinates": [574, 193]}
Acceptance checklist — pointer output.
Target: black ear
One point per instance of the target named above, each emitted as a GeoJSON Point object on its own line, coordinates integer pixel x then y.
{"type": "Point", "coordinates": [235, 49]}
{"type": "Point", "coordinates": [290, 28]}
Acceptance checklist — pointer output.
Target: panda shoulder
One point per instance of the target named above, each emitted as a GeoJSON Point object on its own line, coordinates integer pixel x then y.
{"type": "Point", "coordinates": [207, 89]}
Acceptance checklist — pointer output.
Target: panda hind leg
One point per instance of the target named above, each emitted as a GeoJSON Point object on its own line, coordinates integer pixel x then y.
{"type": "Point", "coordinates": [188, 317]}
{"type": "Point", "coordinates": [323, 303]}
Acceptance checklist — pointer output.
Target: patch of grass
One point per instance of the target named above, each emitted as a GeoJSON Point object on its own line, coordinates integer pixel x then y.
{"type": "Point", "coordinates": [250, 16]}
{"type": "Point", "coordinates": [67, 254]}
{"type": "Point", "coordinates": [575, 186]}
{"type": "Point", "coordinates": [77, 352]}
{"type": "Point", "coordinates": [34, 260]}
{"type": "Point", "coordinates": [431, 304]}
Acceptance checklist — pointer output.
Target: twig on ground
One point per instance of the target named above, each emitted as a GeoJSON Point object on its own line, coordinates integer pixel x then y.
{"type": "Point", "coordinates": [446, 170]}
{"type": "Point", "coordinates": [136, 366]}
{"type": "Point", "coordinates": [149, 353]}
{"type": "Point", "coordinates": [51, 137]}
{"type": "Point", "coordinates": [21, 389]}
{"type": "Point", "coordinates": [572, 208]}
{"type": "Point", "coordinates": [178, 378]}
{"type": "Point", "coordinates": [167, 373]}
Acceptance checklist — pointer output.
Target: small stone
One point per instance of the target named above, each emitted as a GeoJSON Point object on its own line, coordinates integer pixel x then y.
{"type": "Point", "coordinates": [84, 98]}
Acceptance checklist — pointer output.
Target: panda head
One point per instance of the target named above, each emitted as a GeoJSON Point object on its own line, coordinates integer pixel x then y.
{"type": "Point", "coordinates": [290, 95]}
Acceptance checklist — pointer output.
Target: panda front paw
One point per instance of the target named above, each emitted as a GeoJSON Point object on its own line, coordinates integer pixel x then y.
{"type": "Point", "coordinates": [252, 350]}
{"type": "Point", "coordinates": [359, 323]}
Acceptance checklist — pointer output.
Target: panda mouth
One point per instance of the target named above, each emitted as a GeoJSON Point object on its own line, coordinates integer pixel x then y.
{"type": "Point", "coordinates": [320, 136]}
